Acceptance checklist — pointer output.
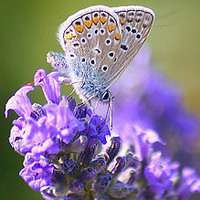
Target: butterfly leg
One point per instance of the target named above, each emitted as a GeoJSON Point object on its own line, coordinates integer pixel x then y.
{"type": "Point", "coordinates": [111, 112]}
{"type": "Point", "coordinates": [108, 114]}
{"type": "Point", "coordinates": [87, 102]}
{"type": "Point", "coordinates": [73, 90]}
{"type": "Point", "coordinates": [96, 105]}
{"type": "Point", "coordinates": [71, 93]}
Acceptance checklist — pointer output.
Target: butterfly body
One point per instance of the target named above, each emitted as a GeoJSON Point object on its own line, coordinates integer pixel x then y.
{"type": "Point", "coordinates": [88, 83]}
{"type": "Point", "coordinates": [99, 42]}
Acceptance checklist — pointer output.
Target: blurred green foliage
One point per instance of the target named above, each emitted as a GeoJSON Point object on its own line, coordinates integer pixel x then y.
{"type": "Point", "coordinates": [28, 32]}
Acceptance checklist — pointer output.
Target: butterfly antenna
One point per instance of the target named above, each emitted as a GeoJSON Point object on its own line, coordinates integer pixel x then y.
{"type": "Point", "coordinates": [73, 90]}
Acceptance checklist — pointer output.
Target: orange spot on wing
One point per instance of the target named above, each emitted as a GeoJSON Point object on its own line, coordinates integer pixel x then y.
{"type": "Point", "coordinates": [117, 36]}
{"type": "Point", "coordinates": [103, 20]}
{"type": "Point", "coordinates": [111, 27]}
{"type": "Point", "coordinates": [95, 20]}
{"type": "Point", "coordinates": [79, 28]}
{"type": "Point", "coordinates": [88, 23]}
{"type": "Point", "coordinates": [69, 36]}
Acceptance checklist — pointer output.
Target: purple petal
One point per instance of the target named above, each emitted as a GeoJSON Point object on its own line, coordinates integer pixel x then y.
{"type": "Point", "coordinates": [16, 135]}
{"type": "Point", "coordinates": [159, 173]}
{"type": "Point", "coordinates": [49, 84]}
{"type": "Point", "coordinates": [143, 140]}
{"type": "Point", "coordinates": [98, 128]}
{"type": "Point", "coordinates": [36, 172]}
{"type": "Point", "coordinates": [20, 103]}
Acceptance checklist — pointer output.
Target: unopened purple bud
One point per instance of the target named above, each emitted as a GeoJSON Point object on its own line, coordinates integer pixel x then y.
{"type": "Point", "coordinates": [131, 178]}
{"type": "Point", "coordinates": [114, 148]}
{"type": "Point", "coordinates": [73, 196]}
{"type": "Point", "coordinates": [119, 166]}
{"type": "Point", "coordinates": [103, 182]}
{"type": "Point", "coordinates": [78, 145]}
{"type": "Point", "coordinates": [102, 197]}
{"type": "Point", "coordinates": [88, 174]}
{"type": "Point", "coordinates": [131, 160]}
{"type": "Point", "coordinates": [99, 164]}
{"type": "Point", "coordinates": [72, 103]}
{"type": "Point", "coordinates": [60, 183]}
{"type": "Point", "coordinates": [121, 190]}
{"type": "Point", "coordinates": [87, 155]}
{"type": "Point", "coordinates": [81, 111]}
{"type": "Point", "coordinates": [58, 177]}
{"type": "Point", "coordinates": [37, 112]}
{"type": "Point", "coordinates": [76, 186]}
{"type": "Point", "coordinates": [148, 193]}
{"type": "Point", "coordinates": [69, 166]}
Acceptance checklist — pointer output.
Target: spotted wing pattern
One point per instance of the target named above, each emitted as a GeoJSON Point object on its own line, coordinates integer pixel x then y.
{"type": "Point", "coordinates": [135, 23]}
{"type": "Point", "coordinates": [91, 36]}
{"type": "Point", "coordinates": [99, 43]}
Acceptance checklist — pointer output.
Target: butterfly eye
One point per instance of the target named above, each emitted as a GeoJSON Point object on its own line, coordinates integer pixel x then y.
{"type": "Point", "coordinates": [104, 68]}
{"type": "Point", "coordinates": [106, 96]}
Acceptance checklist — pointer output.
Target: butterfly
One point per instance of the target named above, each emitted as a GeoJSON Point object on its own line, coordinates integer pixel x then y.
{"type": "Point", "coordinates": [99, 42]}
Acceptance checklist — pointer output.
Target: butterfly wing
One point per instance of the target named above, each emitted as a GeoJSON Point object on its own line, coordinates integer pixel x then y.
{"type": "Point", "coordinates": [135, 23]}
{"type": "Point", "coordinates": [99, 42]}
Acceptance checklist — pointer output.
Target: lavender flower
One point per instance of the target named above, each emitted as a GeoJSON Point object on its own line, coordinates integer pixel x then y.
{"type": "Point", "coordinates": [145, 97]}
{"type": "Point", "coordinates": [67, 155]}
{"type": "Point", "coordinates": [37, 171]}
